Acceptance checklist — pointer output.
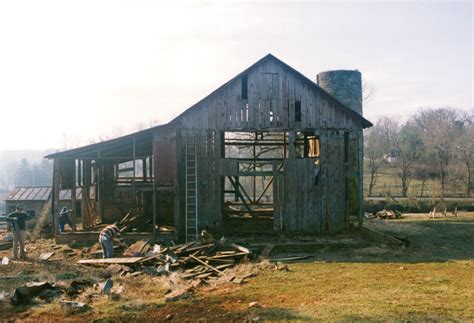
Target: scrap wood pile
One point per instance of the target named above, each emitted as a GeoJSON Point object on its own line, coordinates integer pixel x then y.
{"type": "Point", "coordinates": [195, 260]}
{"type": "Point", "coordinates": [388, 214]}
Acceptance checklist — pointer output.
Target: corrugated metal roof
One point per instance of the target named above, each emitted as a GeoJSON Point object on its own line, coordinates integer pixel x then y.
{"type": "Point", "coordinates": [39, 194]}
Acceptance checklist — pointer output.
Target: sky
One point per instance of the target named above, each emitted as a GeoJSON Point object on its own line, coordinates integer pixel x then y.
{"type": "Point", "coordinates": [72, 72]}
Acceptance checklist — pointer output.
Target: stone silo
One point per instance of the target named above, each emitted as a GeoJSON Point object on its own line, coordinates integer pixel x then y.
{"type": "Point", "coordinates": [344, 85]}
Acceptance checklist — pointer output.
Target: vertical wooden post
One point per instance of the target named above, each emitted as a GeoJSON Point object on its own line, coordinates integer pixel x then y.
{"type": "Point", "coordinates": [154, 209]}
{"type": "Point", "coordinates": [85, 203]}
{"type": "Point", "coordinates": [99, 190]}
{"type": "Point", "coordinates": [133, 176]}
{"type": "Point", "coordinates": [144, 169]}
{"type": "Point", "coordinates": [73, 199]}
{"type": "Point", "coordinates": [55, 196]}
{"type": "Point", "coordinates": [360, 141]}
{"type": "Point", "coordinates": [152, 175]}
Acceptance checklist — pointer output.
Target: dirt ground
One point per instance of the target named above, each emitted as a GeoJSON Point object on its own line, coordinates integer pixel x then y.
{"type": "Point", "coordinates": [430, 279]}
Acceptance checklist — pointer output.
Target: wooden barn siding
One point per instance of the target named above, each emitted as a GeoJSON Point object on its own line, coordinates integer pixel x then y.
{"type": "Point", "coordinates": [208, 145]}
{"type": "Point", "coordinates": [164, 156]}
{"type": "Point", "coordinates": [269, 84]}
{"type": "Point", "coordinates": [299, 204]}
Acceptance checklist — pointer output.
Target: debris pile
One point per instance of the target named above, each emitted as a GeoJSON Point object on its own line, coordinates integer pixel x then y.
{"type": "Point", "coordinates": [195, 260]}
{"type": "Point", "coordinates": [26, 293]}
{"type": "Point", "coordinates": [388, 214]}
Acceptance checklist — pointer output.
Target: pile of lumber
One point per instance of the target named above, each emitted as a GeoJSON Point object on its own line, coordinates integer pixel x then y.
{"type": "Point", "coordinates": [388, 214]}
{"type": "Point", "coordinates": [196, 260]}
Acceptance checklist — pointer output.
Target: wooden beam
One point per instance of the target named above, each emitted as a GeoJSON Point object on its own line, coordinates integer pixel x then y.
{"type": "Point", "coordinates": [240, 195]}
{"type": "Point", "coordinates": [124, 260]}
{"type": "Point", "coordinates": [55, 196]}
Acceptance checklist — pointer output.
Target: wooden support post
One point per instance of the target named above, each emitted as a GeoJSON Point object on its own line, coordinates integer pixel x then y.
{"type": "Point", "coordinates": [360, 164]}
{"type": "Point", "coordinates": [254, 179]}
{"type": "Point", "coordinates": [134, 176]}
{"type": "Point", "coordinates": [55, 196]}
{"type": "Point", "coordinates": [144, 168]}
{"type": "Point", "coordinates": [236, 196]}
{"type": "Point", "coordinates": [73, 199]}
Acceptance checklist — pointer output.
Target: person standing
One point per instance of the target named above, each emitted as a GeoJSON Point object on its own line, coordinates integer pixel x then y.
{"type": "Point", "coordinates": [64, 219]}
{"type": "Point", "coordinates": [106, 240]}
{"type": "Point", "coordinates": [18, 223]}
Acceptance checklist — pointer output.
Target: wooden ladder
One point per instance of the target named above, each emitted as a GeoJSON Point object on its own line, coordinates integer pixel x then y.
{"type": "Point", "coordinates": [41, 219]}
{"type": "Point", "coordinates": [191, 192]}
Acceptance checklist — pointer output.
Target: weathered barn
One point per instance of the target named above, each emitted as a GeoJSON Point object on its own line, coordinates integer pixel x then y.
{"type": "Point", "coordinates": [270, 143]}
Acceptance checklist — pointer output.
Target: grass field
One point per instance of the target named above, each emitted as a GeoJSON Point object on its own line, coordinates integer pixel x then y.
{"type": "Point", "coordinates": [432, 279]}
{"type": "Point", "coordinates": [389, 182]}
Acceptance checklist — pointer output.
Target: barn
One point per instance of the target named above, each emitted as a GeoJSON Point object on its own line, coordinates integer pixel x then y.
{"type": "Point", "coordinates": [270, 147]}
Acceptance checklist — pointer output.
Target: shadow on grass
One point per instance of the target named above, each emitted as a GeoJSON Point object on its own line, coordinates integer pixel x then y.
{"type": "Point", "coordinates": [224, 308]}
{"type": "Point", "coordinates": [438, 240]}
{"type": "Point", "coordinates": [207, 308]}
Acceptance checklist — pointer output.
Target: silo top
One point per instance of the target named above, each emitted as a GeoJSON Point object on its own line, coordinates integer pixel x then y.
{"type": "Point", "coordinates": [344, 85]}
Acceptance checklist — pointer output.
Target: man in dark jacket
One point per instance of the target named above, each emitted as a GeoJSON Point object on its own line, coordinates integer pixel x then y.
{"type": "Point", "coordinates": [17, 220]}
{"type": "Point", "coordinates": [64, 219]}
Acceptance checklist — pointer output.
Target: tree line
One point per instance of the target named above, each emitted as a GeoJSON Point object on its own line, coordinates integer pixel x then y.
{"type": "Point", "coordinates": [432, 144]}
{"type": "Point", "coordinates": [25, 173]}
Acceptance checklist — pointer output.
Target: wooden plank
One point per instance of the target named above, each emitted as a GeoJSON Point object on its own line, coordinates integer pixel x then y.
{"type": "Point", "coordinates": [123, 260]}
{"type": "Point", "coordinates": [207, 265]}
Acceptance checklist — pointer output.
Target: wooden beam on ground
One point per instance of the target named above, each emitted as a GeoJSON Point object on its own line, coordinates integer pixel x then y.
{"type": "Point", "coordinates": [123, 260]}
{"type": "Point", "coordinates": [207, 265]}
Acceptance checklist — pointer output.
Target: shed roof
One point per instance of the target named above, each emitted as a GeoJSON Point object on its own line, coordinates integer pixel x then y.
{"type": "Point", "coordinates": [41, 193]}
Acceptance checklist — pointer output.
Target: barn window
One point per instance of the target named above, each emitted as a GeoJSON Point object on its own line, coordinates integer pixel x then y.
{"type": "Point", "coordinates": [297, 110]}
{"type": "Point", "coordinates": [245, 87]}
{"type": "Point", "coordinates": [312, 150]}
{"type": "Point", "coordinates": [307, 145]}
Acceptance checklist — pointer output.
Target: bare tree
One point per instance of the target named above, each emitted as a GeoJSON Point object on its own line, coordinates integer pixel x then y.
{"type": "Point", "coordinates": [465, 150]}
{"type": "Point", "coordinates": [409, 145]}
{"type": "Point", "coordinates": [440, 127]}
{"type": "Point", "coordinates": [378, 142]}
{"type": "Point", "coordinates": [368, 90]}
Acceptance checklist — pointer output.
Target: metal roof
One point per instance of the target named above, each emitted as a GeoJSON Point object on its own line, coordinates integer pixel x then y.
{"type": "Point", "coordinates": [39, 194]}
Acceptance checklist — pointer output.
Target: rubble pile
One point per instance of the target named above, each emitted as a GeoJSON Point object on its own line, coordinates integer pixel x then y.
{"type": "Point", "coordinates": [195, 260]}
{"type": "Point", "coordinates": [388, 214]}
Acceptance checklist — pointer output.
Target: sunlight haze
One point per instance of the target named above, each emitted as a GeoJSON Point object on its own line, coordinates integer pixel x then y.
{"type": "Point", "coordinates": [74, 71]}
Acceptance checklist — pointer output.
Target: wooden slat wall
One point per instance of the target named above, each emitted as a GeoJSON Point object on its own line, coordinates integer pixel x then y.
{"type": "Point", "coordinates": [164, 152]}
{"type": "Point", "coordinates": [272, 88]}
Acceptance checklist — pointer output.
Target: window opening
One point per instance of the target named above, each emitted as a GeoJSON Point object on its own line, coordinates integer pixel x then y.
{"type": "Point", "coordinates": [298, 111]}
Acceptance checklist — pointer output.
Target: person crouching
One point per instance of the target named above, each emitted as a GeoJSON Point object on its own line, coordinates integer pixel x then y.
{"type": "Point", "coordinates": [106, 237]}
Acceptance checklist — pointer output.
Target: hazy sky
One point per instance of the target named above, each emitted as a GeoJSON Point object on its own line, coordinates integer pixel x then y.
{"type": "Point", "coordinates": [80, 69]}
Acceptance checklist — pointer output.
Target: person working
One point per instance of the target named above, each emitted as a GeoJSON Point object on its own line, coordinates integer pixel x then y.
{"type": "Point", "coordinates": [106, 240]}
{"type": "Point", "coordinates": [17, 220]}
{"type": "Point", "coordinates": [64, 219]}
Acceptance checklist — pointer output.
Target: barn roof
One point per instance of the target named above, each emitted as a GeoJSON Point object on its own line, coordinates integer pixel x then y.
{"type": "Point", "coordinates": [146, 135]}
{"type": "Point", "coordinates": [41, 193]}
{"type": "Point", "coordinates": [365, 123]}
